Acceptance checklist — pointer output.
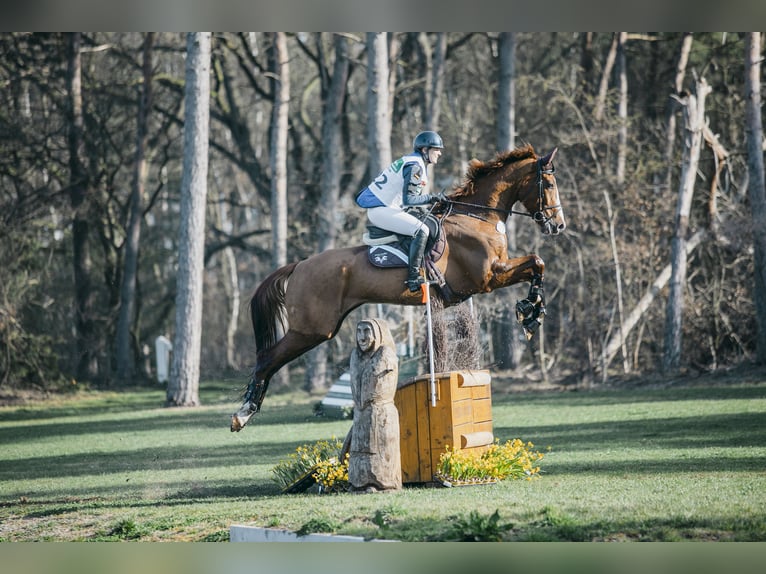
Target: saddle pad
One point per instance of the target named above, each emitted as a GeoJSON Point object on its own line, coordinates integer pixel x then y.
{"type": "Point", "coordinates": [387, 256]}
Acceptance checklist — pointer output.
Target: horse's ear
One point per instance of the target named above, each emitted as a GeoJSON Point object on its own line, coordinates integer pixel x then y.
{"type": "Point", "coordinates": [547, 159]}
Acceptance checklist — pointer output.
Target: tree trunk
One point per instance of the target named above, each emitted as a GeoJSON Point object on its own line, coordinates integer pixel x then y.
{"type": "Point", "coordinates": [694, 117]}
{"type": "Point", "coordinates": [509, 345]}
{"type": "Point", "coordinates": [622, 109]}
{"type": "Point", "coordinates": [183, 385]}
{"type": "Point", "coordinates": [86, 361]}
{"type": "Point", "coordinates": [437, 82]}
{"type": "Point", "coordinates": [678, 86]}
{"type": "Point", "coordinates": [329, 182]}
{"type": "Point", "coordinates": [618, 284]}
{"type": "Point", "coordinates": [756, 191]}
{"type": "Point", "coordinates": [598, 113]}
{"type": "Point", "coordinates": [278, 157]}
{"type": "Point", "coordinates": [125, 353]}
{"type": "Point", "coordinates": [278, 160]}
{"type": "Point", "coordinates": [229, 275]}
{"type": "Point", "coordinates": [378, 114]}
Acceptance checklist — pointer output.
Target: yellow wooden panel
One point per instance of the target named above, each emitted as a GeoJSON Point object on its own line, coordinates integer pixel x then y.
{"type": "Point", "coordinates": [422, 400]}
{"type": "Point", "coordinates": [441, 420]}
{"type": "Point", "coordinates": [481, 410]}
{"type": "Point", "coordinates": [460, 393]}
{"type": "Point", "coordinates": [462, 412]}
{"type": "Point", "coordinates": [484, 392]}
{"type": "Point", "coordinates": [404, 400]}
{"type": "Point", "coordinates": [485, 426]}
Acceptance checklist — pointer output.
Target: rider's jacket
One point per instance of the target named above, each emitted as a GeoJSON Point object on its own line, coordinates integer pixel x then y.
{"type": "Point", "coordinates": [399, 185]}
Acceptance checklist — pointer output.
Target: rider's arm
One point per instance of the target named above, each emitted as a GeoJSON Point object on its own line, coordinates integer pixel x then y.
{"type": "Point", "coordinates": [413, 186]}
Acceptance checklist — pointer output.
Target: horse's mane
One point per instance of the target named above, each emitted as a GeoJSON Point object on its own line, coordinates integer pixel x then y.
{"type": "Point", "coordinates": [478, 169]}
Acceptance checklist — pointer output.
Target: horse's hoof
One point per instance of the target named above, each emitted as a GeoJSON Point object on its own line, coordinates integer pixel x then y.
{"type": "Point", "coordinates": [530, 328]}
{"type": "Point", "coordinates": [531, 325]}
{"type": "Point", "coordinates": [240, 419]}
{"type": "Point", "coordinates": [524, 309]}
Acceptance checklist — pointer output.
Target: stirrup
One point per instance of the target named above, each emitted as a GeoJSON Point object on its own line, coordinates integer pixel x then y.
{"type": "Point", "coordinates": [414, 284]}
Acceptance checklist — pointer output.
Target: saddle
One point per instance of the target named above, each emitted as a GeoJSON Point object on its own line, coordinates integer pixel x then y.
{"type": "Point", "coordinates": [387, 249]}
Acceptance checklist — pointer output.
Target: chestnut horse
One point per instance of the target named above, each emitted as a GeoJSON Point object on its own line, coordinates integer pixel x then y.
{"type": "Point", "coordinates": [309, 299]}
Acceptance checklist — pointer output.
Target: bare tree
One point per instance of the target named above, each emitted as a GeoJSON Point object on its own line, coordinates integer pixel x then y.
{"type": "Point", "coordinates": [183, 385]}
{"type": "Point", "coordinates": [509, 344]}
{"type": "Point", "coordinates": [278, 152]}
{"type": "Point", "coordinates": [87, 364]}
{"type": "Point", "coordinates": [378, 113]}
{"type": "Point", "coordinates": [124, 349]}
{"type": "Point", "coordinates": [278, 161]}
{"type": "Point", "coordinates": [756, 191]}
{"type": "Point", "coordinates": [678, 85]}
{"type": "Point", "coordinates": [333, 95]}
{"type": "Point", "coordinates": [694, 118]}
{"type": "Point", "coordinates": [622, 107]}
{"type": "Point", "coordinates": [437, 82]}
{"type": "Point", "coordinates": [603, 87]}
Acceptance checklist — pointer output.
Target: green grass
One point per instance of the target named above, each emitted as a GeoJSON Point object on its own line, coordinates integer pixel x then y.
{"type": "Point", "coordinates": [642, 463]}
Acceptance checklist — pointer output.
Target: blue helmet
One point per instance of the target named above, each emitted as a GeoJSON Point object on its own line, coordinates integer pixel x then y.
{"type": "Point", "coordinates": [427, 139]}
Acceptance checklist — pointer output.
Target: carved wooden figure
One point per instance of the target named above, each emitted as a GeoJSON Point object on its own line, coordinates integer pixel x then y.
{"type": "Point", "coordinates": [374, 458]}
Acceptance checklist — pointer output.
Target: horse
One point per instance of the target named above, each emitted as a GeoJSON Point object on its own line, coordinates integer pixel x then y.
{"type": "Point", "coordinates": [309, 299]}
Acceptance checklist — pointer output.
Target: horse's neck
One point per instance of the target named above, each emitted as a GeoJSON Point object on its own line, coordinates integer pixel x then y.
{"type": "Point", "coordinates": [513, 192]}
{"type": "Point", "coordinates": [504, 199]}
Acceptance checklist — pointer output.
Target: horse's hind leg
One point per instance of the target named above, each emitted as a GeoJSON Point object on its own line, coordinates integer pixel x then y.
{"type": "Point", "coordinates": [292, 345]}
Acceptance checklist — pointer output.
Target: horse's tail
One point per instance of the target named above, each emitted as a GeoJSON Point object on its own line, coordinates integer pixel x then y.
{"type": "Point", "coordinates": [267, 308]}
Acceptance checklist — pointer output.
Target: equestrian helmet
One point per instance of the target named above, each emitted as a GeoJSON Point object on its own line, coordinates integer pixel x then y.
{"type": "Point", "coordinates": [427, 139]}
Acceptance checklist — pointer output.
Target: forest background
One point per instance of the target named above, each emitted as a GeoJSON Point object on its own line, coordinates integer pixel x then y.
{"type": "Point", "coordinates": [92, 129]}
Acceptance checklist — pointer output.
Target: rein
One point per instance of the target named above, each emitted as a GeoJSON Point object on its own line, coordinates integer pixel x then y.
{"type": "Point", "coordinates": [539, 215]}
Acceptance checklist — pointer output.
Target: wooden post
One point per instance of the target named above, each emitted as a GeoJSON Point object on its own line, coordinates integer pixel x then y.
{"type": "Point", "coordinates": [374, 458]}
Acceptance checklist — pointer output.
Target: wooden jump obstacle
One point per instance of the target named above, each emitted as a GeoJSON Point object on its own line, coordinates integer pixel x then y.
{"type": "Point", "coordinates": [462, 419]}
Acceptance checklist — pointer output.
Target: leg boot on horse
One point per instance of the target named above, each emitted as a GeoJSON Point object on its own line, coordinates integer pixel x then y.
{"type": "Point", "coordinates": [530, 312]}
{"type": "Point", "coordinates": [417, 251]}
{"type": "Point", "coordinates": [251, 405]}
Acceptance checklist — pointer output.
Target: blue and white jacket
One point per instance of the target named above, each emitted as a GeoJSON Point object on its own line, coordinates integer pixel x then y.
{"type": "Point", "coordinates": [399, 185]}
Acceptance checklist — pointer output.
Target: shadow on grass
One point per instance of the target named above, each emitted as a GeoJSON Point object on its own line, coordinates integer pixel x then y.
{"type": "Point", "coordinates": [157, 459]}
{"type": "Point", "coordinates": [697, 432]}
{"type": "Point", "coordinates": [158, 419]}
{"type": "Point", "coordinates": [597, 397]}
{"type": "Point", "coordinates": [178, 494]}
{"type": "Point", "coordinates": [121, 400]}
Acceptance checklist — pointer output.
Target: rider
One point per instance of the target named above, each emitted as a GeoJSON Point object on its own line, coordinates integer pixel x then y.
{"type": "Point", "coordinates": [398, 187]}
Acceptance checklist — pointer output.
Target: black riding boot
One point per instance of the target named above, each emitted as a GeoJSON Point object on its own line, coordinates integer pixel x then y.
{"type": "Point", "coordinates": [417, 250]}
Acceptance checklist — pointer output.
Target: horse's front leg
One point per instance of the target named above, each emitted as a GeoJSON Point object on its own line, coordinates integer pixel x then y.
{"type": "Point", "coordinates": [530, 312]}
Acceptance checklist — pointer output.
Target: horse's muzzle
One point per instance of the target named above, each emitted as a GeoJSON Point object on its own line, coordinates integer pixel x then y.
{"type": "Point", "coordinates": [552, 228]}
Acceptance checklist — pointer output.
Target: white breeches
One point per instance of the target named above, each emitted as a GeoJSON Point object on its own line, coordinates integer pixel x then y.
{"type": "Point", "coordinates": [395, 220]}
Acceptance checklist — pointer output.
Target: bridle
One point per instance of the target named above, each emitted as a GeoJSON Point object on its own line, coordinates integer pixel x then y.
{"type": "Point", "coordinates": [540, 215]}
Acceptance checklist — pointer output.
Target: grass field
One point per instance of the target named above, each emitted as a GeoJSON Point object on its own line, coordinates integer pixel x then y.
{"type": "Point", "coordinates": [660, 462]}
